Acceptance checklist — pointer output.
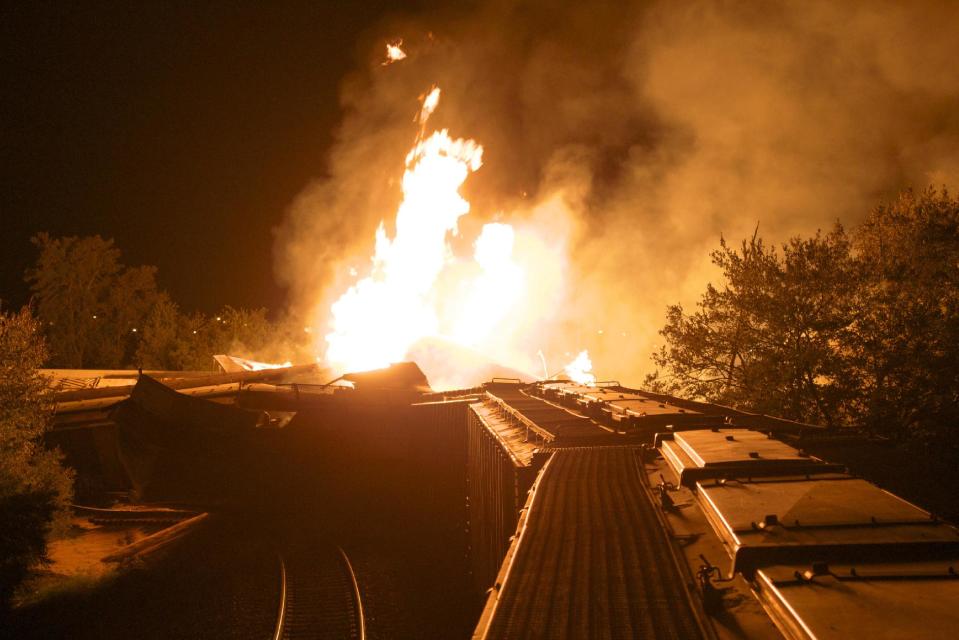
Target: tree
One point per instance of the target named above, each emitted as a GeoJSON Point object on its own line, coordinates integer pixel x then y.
{"type": "Point", "coordinates": [160, 336]}
{"type": "Point", "coordinates": [860, 330]}
{"type": "Point", "coordinates": [35, 491]}
{"type": "Point", "coordinates": [176, 341]}
{"type": "Point", "coordinates": [905, 347]}
{"type": "Point", "coordinates": [88, 302]}
{"type": "Point", "coordinates": [766, 341]}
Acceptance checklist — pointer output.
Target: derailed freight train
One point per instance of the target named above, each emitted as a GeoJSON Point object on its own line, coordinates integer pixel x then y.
{"type": "Point", "coordinates": [550, 509]}
{"type": "Point", "coordinates": [721, 529]}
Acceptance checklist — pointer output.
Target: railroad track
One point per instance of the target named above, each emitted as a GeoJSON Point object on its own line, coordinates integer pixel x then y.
{"type": "Point", "coordinates": [319, 596]}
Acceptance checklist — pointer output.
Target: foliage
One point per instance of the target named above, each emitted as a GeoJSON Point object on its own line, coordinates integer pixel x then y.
{"type": "Point", "coordinates": [175, 341]}
{"type": "Point", "coordinates": [763, 341]}
{"type": "Point", "coordinates": [88, 301]}
{"type": "Point", "coordinates": [160, 336]}
{"type": "Point", "coordinates": [99, 314]}
{"type": "Point", "coordinates": [35, 491]}
{"type": "Point", "coordinates": [833, 329]}
{"type": "Point", "coordinates": [907, 346]}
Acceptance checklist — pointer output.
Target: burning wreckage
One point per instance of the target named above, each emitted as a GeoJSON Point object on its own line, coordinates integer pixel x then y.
{"type": "Point", "coordinates": [518, 508]}
{"type": "Point", "coordinates": [529, 509]}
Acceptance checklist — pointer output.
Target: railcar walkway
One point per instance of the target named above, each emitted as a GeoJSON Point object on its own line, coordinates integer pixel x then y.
{"type": "Point", "coordinates": [592, 559]}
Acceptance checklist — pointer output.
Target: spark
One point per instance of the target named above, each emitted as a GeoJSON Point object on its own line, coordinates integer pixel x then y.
{"type": "Point", "coordinates": [394, 53]}
{"type": "Point", "coordinates": [430, 102]}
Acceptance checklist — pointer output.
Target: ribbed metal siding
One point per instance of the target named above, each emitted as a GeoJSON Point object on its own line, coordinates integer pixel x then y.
{"type": "Point", "coordinates": [496, 492]}
{"type": "Point", "coordinates": [437, 464]}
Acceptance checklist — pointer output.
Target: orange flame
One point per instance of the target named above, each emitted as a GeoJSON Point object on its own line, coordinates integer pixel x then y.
{"type": "Point", "coordinates": [430, 102]}
{"type": "Point", "coordinates": [417, 289]}
{"type": "Point", "coordinates": [381, 316]}
{"type": "Point", "coordinates": [579, 370]}
{"type": "Point", "coordinates": [394, 53]}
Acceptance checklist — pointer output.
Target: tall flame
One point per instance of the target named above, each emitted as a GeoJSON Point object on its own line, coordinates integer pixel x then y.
{"type": "Point", "coordinates": [418, 290]}
{"type": "Point", "coordinates": [377, 320]}
{"type": "Point", "coordinates": [579, 370]}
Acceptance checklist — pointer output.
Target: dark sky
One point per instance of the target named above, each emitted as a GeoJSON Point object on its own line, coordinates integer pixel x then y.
{"type": "Point", "coordinates": [181, 131]}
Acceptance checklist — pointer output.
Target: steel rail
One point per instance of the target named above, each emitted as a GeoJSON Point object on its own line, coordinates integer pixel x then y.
{"type": "Point", "coordinates": [281, 614]}
{"type": "Point", "coordinates": [356, 594]}
{"type": "Point", "coordinates": [282, 618]}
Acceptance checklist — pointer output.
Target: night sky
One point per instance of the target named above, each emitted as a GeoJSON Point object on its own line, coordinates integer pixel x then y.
{"type": "Point", "coordinates": [183, 132]}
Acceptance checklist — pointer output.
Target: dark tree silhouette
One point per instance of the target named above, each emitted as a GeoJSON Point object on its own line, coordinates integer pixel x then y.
{"type": "Point", "coordinates": [838, 329]}
{"type": "Point", "coordinates": [89, 303]}
{"type": "Point", "coordinates": [35, 491]}
{"type": "Point", "coordinates": [763, 341]}
{"type": "Point", "coordinates": [906, 345]}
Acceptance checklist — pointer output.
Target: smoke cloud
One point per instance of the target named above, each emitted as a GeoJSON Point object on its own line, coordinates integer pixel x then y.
{"type": "Point", "coordinates": [641, 132]}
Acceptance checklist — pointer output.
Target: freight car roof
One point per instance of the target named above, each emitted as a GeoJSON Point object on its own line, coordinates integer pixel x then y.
{"type": "Point", "coordinates": [591, 558]}
{"type": "Point", "coordinates": [883, 601]}
{"type": "Point", "coordinates": [763, 521]}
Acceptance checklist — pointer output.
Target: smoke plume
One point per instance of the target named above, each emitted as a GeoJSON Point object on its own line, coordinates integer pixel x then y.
{"type": "Point", "coordinates": [637, 134]}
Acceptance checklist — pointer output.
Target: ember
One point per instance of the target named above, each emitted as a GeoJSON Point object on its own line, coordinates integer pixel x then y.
{"type": "Point", "coordinates": [393, 52]}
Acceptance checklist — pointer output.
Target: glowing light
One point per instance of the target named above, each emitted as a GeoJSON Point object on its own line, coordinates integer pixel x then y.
{"type": "Point", "coordinates": [430, 102]}
{"type": "Point", "coordinates": [394, 53]}
{"type": "Point", "coordinates": [456, 310]}
{"type": "Point", "coordinates": [252, 365]}
{"type": "Point", "coordinates": [542, 357]}
{"type": "Point", "coordinates": [381, 316]}
{"type": "Point", "coordinates": [493, 293]}
{"type": "Point", "coordinates": [580, 369]}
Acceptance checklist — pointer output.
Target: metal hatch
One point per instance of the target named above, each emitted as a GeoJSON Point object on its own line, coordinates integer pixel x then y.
{"type": "Point", "coordinates": [735, 446]}
{"type": "Point", "coordinates": [735, 453]}
{"type": "Point", "coordinates": [876, 600]}
{"type": "Point", "coordinates": [765, 521]}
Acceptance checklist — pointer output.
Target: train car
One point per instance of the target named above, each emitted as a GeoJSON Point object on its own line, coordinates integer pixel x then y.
{"type": "Point", "coordinates": [778, 543]}
{"type": "Point", "coordinates": [827, 554]}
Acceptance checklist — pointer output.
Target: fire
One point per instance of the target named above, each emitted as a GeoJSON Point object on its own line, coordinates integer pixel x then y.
{"type": "Point", "coordinates": [579, 370]}
{"type": "Point", "coordinates": [492, 293]}
{"type": "Point", "coordinates": [430, 102]}
{"type": "Point", "coordinates": [418, 296]}
{"type": "Point", "coordinates": [393, 52]}
{"type": "Point", "coordinates": [260, 366]}
{"type": "Point", "coordinates": [235, 363]}
{"type": "Point", "coordinates": [377, 320]}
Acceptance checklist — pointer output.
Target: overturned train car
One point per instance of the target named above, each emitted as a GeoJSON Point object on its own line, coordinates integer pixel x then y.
{"type": "Point", "coordinates": [556, 509]}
